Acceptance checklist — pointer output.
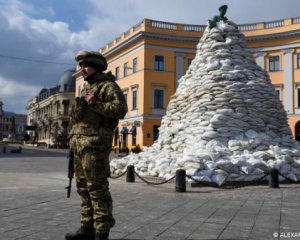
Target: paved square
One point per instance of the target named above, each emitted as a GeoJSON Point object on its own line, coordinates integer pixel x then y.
{"type": "Point", "coordinates": [33, 205]}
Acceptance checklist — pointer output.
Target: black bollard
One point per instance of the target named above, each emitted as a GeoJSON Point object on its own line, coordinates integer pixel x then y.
{"type": "Point", "coordinates": [130, 177]}
{"type": "Point", "coordinates": [273, 178]}
{"type": "Point", "coordinates": [4, 149]}
{"type": "Point", "coordinates": [180, 181]}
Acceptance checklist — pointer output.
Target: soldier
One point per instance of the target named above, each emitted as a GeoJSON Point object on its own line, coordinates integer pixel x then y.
{"type": "Point", "coordinates": [95, 115]}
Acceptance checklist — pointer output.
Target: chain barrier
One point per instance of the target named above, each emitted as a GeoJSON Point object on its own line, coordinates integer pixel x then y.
{"type": "Point", "coordinates": [153, 183]}
{"type": "Point", "coordinates": [223, 186]}
{"type": "Point", "coordinates": [210, 184]}
{"type": "Point", "coordinates": [286, 178]}
{"type": "Point", "coordinates": [121, 175]}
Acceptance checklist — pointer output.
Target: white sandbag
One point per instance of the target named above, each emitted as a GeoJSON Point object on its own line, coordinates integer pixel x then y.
{"type": "Point", "coordinates": [202, 178]}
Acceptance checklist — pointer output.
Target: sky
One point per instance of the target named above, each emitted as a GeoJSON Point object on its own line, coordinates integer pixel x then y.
{"type": "Point", "coordinates": [39, 38]}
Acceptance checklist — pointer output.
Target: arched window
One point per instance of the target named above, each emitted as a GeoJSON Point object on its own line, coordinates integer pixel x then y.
{"type": "Point", "coordinates": [297, 131]}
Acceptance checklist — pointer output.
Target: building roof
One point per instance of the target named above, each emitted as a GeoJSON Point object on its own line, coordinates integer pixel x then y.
{"type": "Point", "coordinates": [8, 114]}
{"type": "Point", "coordinates": [67, 79]}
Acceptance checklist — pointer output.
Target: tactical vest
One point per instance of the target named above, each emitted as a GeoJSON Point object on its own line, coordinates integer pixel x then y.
{"type": "Point", "coordinates": [92, 122]}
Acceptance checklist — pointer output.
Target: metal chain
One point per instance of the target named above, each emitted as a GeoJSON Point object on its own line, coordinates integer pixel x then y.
{"type": "Point", "coordinates": [209, 184]}
{"type": "Point", "coordinates": [152, 183]}
{"type": "Point", "coordinates": [222, 186]}
{"type": "Point", "coordinates": [249, 183]}
{"type": "Point", "coordinates": [119, 175]}
{"type": "Point", "coordinates": [286, 178]}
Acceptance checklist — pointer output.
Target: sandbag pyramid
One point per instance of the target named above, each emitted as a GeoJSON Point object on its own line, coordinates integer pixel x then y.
{"type": "Point", "coordinates": [225, 121]}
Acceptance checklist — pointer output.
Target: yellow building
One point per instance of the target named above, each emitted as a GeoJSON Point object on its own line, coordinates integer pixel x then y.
{"type": "Point", "coordinates": [149, 58]}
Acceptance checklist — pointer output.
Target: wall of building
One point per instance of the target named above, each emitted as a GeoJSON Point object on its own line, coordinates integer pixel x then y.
{"type": "Point", "coordinates": [177, 43]}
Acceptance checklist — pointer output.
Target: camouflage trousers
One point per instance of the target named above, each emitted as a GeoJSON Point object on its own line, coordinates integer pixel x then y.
{"type": "Point", "coordinates": [91, 164]}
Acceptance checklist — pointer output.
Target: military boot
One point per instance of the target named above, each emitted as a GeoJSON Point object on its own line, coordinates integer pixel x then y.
{"type": "Point", "coordinates": [86, 233]}
{"type": "Point", "coordinates": [101, 236]}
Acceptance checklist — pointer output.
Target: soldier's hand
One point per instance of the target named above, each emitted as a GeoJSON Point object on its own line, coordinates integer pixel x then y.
{"type": "Point", "coordinates": [90, 98]}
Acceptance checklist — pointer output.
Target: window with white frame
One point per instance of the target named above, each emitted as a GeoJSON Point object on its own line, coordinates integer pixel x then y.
{"type": "Point", "coordinates": [126, 69]}
{"type": "Point", "coordinates": [117, 73]}
{"type": "Point", "coordinates": [135, 65]}
{"type": "Point", "coordinates": [134, 98]}
{"type": "Point", "coordinates": [159, 63]}
{"type": "Point", "coordinates": [274, 63]}
{"type": "Point", "coordinates": [158, 96]}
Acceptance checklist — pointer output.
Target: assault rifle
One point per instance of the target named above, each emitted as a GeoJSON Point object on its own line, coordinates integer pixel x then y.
{"type": "Point", "coordinates": [70, 172]}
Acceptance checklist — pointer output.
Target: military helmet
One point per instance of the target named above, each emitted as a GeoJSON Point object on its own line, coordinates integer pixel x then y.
{"type": "Point", "coordinates": [95, 59]}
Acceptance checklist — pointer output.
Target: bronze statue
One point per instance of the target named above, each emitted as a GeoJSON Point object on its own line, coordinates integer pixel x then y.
{"type": "Point", "coordinates": [213, 22]}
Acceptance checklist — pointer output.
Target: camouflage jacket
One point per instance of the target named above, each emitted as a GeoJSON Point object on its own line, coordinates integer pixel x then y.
{"type": "Point", "coordinates": [104, 112]}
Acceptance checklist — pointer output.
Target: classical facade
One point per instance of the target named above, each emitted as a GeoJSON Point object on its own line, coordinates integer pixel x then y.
{"type": "Point", "coordinates": [149, 58]}
{"type": "Point", "coordinates": [49, 112]}
{"type": "Point", "coordinates": [13, 126]}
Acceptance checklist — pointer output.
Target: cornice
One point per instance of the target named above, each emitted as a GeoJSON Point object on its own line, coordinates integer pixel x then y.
{"type": "Point", "coordinates": [274, 35]}
{"type": "Point", "coordinates": [123, 44]}
{"type": "Point", "coordinates": [172, 37]}
{"type": "Point", "coordinates": [150, 35]}
{"type": "Point", "coordinates": [194, 40]}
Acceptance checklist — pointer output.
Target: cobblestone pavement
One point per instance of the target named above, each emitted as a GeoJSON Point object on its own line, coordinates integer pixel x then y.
{"type": "Point", "coordinates": [33, 205]}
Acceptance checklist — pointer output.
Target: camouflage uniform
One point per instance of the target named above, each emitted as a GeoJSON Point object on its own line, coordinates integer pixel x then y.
{"type": "Point", "coordinates": [91, 141]}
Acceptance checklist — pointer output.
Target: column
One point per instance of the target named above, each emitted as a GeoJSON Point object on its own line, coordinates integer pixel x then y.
{"type": "Point", "coordinates": [260, 59]}
{"type": "Point", "coordinates": [288, 80]}
{"type": "Point", "coordinates": [179, 59]}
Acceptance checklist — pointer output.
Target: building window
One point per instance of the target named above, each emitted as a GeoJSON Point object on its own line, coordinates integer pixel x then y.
{"type": "Point", "coordinates": [57, 107]}
{"type": "Point", "coordinates": [274, 64]}
{"type": "Point", "coordinates": [159, 63]}
{"type": "Point", "coordinates": [278, 93]}
{"type": "Point", "coordinates": [133, 134]}
{"type": "Point", "coordinates": [117, 73]}
{"type": "Point", "coordinates": [66, 104]}
{"type": "Point", "coordinates": [125, 96]}
{"type": "Point", "coordinates": [135, 65]}
{"type": "Point", "coordinates": [298, 60]}
{"type": "Point", "coordinates": [189, 61]}
{"type": "Point", "coordinates": [155, 132]}
{"type": "Point", "coordinates": [134, 99]}
{"type": "Point", "coordinates": [66, 88]}
{"type": "Point", "coordinates": [126, 69]}
{"type": "Point", "coordinates": [159, 98]}
{"type": "Point", "coordinates": [298, 97]}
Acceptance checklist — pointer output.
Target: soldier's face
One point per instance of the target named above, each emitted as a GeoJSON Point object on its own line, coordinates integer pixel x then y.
{"type": "Point", "coordinates": [87, 70]}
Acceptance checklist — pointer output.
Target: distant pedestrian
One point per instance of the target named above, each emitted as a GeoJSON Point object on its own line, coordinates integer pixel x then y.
{"type": "Point", "coordinates": [95, 115]}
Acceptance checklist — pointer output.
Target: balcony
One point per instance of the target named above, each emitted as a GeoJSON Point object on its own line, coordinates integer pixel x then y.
{"type": "Point", "coordinates": [148, 25]}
